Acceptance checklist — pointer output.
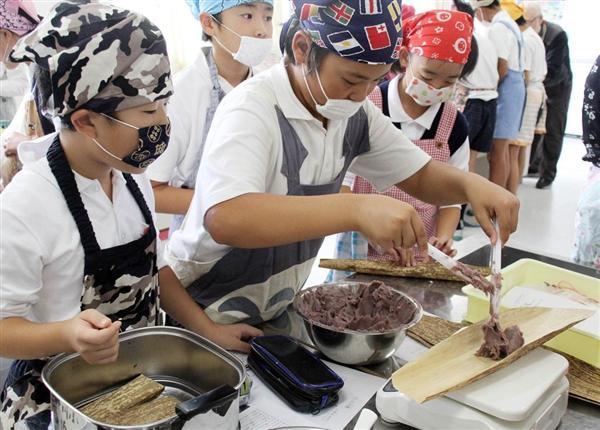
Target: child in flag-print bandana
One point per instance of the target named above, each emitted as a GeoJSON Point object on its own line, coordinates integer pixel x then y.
{"type": "Point", "coordinates": [276, 156]}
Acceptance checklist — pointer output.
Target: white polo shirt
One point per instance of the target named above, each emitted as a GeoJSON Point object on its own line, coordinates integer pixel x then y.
{"type": "Point", "coordinates": [244, 154]}
{"type": "Point", "coordinates": [535, 57]}
{"type": "Point", "coordinates": [187, 113]}
{"type": "Point", "coordinates": [41, 256]}
{"type": "Point", "coordinates": [483, 81]}
{"type": "Point", "coordinates": [505, 40]}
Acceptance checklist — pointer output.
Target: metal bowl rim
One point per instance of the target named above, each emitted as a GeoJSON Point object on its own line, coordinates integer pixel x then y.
{"type": "Point", "coordinates": [415, 320]}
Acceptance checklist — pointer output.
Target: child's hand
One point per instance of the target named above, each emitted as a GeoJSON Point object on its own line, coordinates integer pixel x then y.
{"type": "Point", "coordinates": [390, 225]}
{"type": "Point", "coordinates": [94, 336]}
{"type": "Point", "coordinates": [11, 141]}
{"type": "Point", "coordinates": [444, 244]}
{"type": "Point", "coordinates": [407, 257]}
{"type": "Point", "coordinates": [490, 201]}
{"type": "Point", "coordinates": [232, 337]}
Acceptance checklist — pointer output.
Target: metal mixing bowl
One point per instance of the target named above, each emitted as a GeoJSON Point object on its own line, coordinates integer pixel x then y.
{"type": "Point", "coordinates": [356, 347]}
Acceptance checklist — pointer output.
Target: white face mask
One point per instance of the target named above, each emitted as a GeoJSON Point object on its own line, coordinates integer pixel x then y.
{"type": "Point", "coordinates": [252, 50]}
{"type": "Point", "coordinates": [426, 95]}
{"type": "Point", "coordinates": [333, 108]}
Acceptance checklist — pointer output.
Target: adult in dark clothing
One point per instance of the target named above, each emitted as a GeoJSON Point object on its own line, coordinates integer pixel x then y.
{"type": "Point", "coordinates": [558, 85]}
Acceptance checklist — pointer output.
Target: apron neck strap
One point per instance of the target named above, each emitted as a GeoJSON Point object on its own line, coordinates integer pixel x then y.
{"type": "Point", "coordinates": [135, 191]}
{"type": "Point", "coordinates": [59, 165]}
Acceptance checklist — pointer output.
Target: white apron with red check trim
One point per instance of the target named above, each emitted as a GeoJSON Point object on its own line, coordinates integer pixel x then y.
{"type": "Point", "coordinates": [437, 148]}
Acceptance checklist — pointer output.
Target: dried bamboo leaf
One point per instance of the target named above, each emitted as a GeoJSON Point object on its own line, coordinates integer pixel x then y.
{"type": "Point", "coordinates": [431, 270]}
{"type": "Point", "coordinates": [139, 390]}
{"type": "Point", "coordinates": [153, 411]}
{"type": "Point", "coordinates": [584, 379]}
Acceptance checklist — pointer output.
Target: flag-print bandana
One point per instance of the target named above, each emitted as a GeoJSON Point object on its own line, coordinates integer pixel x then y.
{"type": "Point", "coordinates": [440, 35]}
{"type": "Point", "coordinates": [368, 31]}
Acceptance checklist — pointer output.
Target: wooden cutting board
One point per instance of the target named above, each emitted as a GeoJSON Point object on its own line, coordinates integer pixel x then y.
{"type": "Point", "coordinates": [584, 379]}
{"type": "Point", "coordinates": [452, 364]}
{"type": "Point", "coordinates": [431, 270]}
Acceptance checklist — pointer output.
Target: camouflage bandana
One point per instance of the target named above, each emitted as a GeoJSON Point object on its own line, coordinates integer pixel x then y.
{"type": "Point", "coordinates": [100, 57]}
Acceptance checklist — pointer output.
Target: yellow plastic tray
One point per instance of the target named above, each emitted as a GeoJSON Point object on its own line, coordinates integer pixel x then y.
{"type": "Point", "coordinates": [527, 271]}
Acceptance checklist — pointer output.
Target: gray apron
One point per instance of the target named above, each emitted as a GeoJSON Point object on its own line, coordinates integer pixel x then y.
{"type": "Point", "coordinates": [219, 289]}
{"type": "Point", "coordinates": [216, 95]}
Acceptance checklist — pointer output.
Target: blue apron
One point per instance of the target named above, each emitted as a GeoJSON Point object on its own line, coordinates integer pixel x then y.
{"type": "Point", "coordinates": [511, 96]}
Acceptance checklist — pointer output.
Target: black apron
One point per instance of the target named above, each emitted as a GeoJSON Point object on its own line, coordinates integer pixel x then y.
{"type": "Point", "coordinates": [120, 282]}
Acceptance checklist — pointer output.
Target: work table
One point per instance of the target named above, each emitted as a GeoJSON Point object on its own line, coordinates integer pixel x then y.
{"type": "Point", "coordinates": [446, 300]}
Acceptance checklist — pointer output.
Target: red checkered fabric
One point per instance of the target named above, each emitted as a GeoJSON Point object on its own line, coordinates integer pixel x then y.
{"type": "Point", "coordinates": [437, 148]}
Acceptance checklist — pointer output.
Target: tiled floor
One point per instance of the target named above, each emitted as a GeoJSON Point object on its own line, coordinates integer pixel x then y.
{"type": "Point", "coordinates": [546, 219]}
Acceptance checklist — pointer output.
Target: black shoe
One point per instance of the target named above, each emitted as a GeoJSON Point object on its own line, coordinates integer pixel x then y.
{"type": "Point", "coordinates": [543, 183]}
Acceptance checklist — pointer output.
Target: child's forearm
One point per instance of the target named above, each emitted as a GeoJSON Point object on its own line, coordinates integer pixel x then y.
{"type": "Point", "coordinates": [171, 200]}
{"type": "Point", "coordinates": [447, 221]}
{"type": "Point", "coordinates": [175, 301]}
{"type": "Point", "coordinates": [23, 339]}
{"type": "Point", "coordinates": [265, 220]}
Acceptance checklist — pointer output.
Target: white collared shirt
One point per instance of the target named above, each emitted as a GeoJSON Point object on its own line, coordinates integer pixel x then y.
{"type": "Point", "coordinates": [244, 154]}
{"type": "Point", "coordinates": [535, 57]}
{"type": "Point", "coordinates": [483, 80]}
{"type": "Point", "coordinates": [414, 128]}
{"type": "Point", "coordinates": [187, 113]}
{"type": "Point", "coordinates": [41, 256]}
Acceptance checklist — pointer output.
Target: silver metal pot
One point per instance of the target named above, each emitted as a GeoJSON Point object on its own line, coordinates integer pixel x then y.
{"type": "Point", "coordinates": [205, 377]}
{"type": "Point", "coordinates": [356, 347]}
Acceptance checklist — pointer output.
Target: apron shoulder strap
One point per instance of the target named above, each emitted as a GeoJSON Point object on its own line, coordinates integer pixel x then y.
{"type": "Point", "coordinates": [356, 137]}
{"type": "Point", "coordinates": [432, 132]}
{"type": "Point", "coordinates": [214, 99]}
{"type": "Point", "coordinates": [59, 165]}
{"type": "Point", "coordinates": [385, 106]}
{"type": "Point", "coordinates": [135, 191]}
{"type": "Point", "coordinates": [376, 97]}
{"type": "Point", "coordinates": [384, 87]}
{"type": "Point", "coordinates": [294, 152]}
{"type": "Point", "coordinates": [446, 122]}
{"type": "Point", "coordinates": [519, 38]}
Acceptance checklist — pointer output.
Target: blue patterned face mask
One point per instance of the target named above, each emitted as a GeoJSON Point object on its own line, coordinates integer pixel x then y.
{"type": "Point", "coordinates": [152, 142]}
